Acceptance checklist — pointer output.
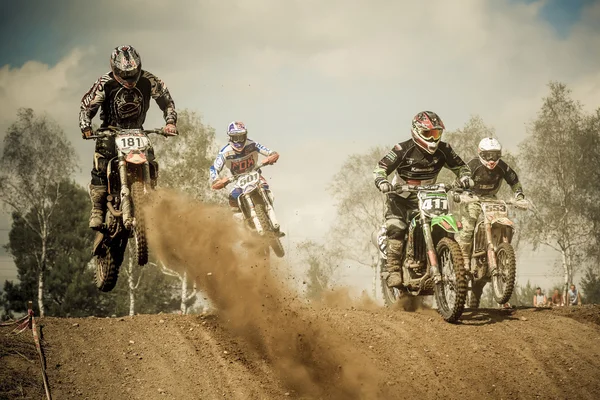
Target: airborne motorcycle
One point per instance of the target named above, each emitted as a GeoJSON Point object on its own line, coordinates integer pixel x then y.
{"type": "Point", "coordinates": [257, 209]}
{"type": "Point", "coordinates": [493, 258]}
{"type": "Point", "coordinates": [131, 174]}
{"type": "Point", "coordinates": [432, 260]}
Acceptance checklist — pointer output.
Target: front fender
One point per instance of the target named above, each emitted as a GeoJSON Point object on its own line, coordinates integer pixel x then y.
{"type": "Point", "coordinates": [502, 221]}
{"type": "Point", "coordinates": [446, 222]}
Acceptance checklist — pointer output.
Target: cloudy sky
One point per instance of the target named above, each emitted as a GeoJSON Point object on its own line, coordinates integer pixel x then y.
{"type": "Point", "coordinates": [315, 80]}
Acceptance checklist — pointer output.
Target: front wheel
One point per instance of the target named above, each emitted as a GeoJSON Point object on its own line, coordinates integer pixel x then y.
{"type": "Point", "coordinates": [503, 279]}
{"type": "Point", "coordinates": [451, 292]}
{"type": "Point", "coordinates": [141, 244]}
{"type": "Point", "coordinates": [108, 264]}
{"type": "Point", "coordinates": [277, 247]}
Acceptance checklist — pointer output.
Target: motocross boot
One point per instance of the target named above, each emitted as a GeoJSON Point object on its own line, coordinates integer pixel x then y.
{"type": "Point", "coordinates": [394, 262]}
{"type": "Point", "coordinates": [98, 197]}
{"type": "Point", "coordinates": [466, 252]}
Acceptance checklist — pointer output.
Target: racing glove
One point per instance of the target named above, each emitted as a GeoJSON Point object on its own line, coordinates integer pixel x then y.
{"type": "Point", "coordinates": [466, 182]}
{"type": "Point", "coordinates": [170, 130]}
{"type": "Point", "coordinates": [385, 186]}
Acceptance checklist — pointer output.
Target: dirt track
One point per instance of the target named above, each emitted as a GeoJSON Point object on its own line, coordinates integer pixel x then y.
{"type": "Point", "coordinates": [492, 354]}
{"type": "Point", "coordinates": [266, 344]}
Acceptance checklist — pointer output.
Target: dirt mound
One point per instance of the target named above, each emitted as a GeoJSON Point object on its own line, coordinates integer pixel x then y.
{"type": "Point", "coordinates": [496, 354]}
{"type": "Point", "coordinates": [264, 343]}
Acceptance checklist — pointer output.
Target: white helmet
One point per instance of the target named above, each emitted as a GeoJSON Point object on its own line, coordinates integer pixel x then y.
{"type": "Point", "coordinates": [489, 151]}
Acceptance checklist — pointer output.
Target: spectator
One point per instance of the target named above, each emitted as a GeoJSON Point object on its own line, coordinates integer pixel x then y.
{"type": "Point", "coordinates": [539, 298]}
{"type": "Point", "coordinates": [573, 297]}
{"type": "Point", "coordinates": [557, 299]}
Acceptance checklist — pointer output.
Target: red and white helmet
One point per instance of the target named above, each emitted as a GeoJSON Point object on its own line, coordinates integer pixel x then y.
{"type": "Point", "coordinates": [126, 66]}
{"type": "Point", "coordinates": [489, 151]}
{"type": "Point", "coordinates": [427, 129]}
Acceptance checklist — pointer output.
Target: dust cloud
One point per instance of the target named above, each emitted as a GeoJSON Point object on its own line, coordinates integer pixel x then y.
{"type": "Point", "coordinates": [310, 356]}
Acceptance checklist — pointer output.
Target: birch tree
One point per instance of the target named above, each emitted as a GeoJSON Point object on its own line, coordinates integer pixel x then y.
{"type": "Point", "coordinates": [37, 158]}
{"type": "Point", "coordinates": [360, 207]}
{"type": "Point", "coordinates": [552, 159]}
{"type": "Point", "coordinates": [187, 295]}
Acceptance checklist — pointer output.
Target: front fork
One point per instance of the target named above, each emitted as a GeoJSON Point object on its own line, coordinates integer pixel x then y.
{"type": "Point", "coordinates": [125, 194]}
{"type": "Point", "coordinates": [250, 203]}
{"type": "Point", "coordinates": [432, 259]}
{"type": "Point", "coordinates": [491, 251]}
{"type": "Point", "coordinates": [126, 208]}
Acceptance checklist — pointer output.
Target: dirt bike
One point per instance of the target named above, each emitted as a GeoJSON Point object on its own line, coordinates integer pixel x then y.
{"type": "Point", "coordinates": [256, 205]}
{"type": "Point", "coordinates": [130, 176]}
{"type": "Point", "coordinates": [432, 262]}
{"type": "Point", "coordinates": [493, 257]}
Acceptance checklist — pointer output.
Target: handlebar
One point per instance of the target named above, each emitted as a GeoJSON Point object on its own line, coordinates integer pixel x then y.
{"type": "Point", "coordinates": [468, 197]}
{"type": "Point", "coordinates": [112, 131]}
{"type": "Point", "coordinates": [256, 166]}
{"type": "Point", "coordinates": [433, 187]}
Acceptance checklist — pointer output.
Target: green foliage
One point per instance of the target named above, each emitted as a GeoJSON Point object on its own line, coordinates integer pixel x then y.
{"type": "Point", "coordinates": [70, 289]}
{"type": "Point", "coordinates": [185, 160]}
{"type": "Point", "coordinates": [37, 160]}
{"type": "Point", "coordinates": [590, 285]}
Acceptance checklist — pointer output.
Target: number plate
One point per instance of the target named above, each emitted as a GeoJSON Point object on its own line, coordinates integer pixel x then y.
{"type": "Point", "coordinates": [435, 203]}
{"type": "Point", "coordinates": [131, 142]}
{"type": "Point", "coordinates": [493, 207]}
{"type": "Point", "coordinates": [248, 179]}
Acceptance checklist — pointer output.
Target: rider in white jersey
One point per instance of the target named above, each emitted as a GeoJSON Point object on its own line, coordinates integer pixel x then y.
{"type": "Point", "coordinates": [238, 156]}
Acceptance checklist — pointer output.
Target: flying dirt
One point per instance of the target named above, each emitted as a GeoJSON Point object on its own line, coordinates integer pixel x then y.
{"type": "Point", "coordinates": [264, 342]}
{"type": "Point", "coordinates": [305, 351]}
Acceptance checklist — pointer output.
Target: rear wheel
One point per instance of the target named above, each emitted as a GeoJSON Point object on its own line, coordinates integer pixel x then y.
{"type": "Point", "coordinates": [141, 244]}
{"type": "Point", "coordinates": [451, 292]}
{"type": "Point", "coordinates": [476, 293]}
{"type": "Point", "coordinates": [503, 279]}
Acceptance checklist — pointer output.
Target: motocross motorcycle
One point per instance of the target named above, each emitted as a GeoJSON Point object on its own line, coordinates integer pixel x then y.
{"type": "Point", "coordinates": [131, 175]}
{"type": "Point", "coordinates": [257, 209]}
{"type": "Point", "coordinates": [493, 257]}
{"type": "Point", "coordinates": [432, 260]}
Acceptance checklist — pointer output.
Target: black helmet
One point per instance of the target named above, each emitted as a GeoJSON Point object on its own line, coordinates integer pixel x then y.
{"type": "Point", "coordinates": [126, 65]}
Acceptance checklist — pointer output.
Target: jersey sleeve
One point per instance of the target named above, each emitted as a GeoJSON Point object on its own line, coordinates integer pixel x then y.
{"type": "Point", "coordinates": [160, 93]}
{"type": "Point", "coordinates": [454, 163]}
{"type": "Point", "coordinates": [387, 164]}
{"type": "Point", "coordinates": [217, 167]}
{"type": "Point", "coordinates": [511, 177]}
{"type": "Point", "coordinates": [265, 151]}
{"type": "Point", "coordinates": [91, 102]}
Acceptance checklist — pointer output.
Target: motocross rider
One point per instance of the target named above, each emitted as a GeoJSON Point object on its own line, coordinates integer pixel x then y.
{"type": "Point", "coordinates": [488, 172]}
{"type": "Point", "coordinates": [123, 97]}
{"type": "Point", "coordinates": [239, 155]}
{"type": "Point", "coordinates": [417, 161]}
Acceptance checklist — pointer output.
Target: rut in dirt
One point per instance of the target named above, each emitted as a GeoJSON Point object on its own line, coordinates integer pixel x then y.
{"type": "Point", "coordinates": [305, 350]}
